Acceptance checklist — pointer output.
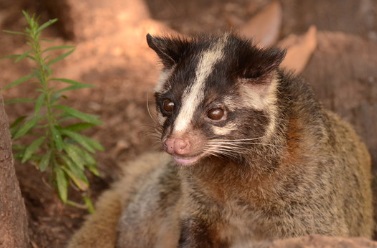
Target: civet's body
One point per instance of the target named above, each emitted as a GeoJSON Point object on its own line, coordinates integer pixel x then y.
{"type": "Point", "coordinates": [252, 156]}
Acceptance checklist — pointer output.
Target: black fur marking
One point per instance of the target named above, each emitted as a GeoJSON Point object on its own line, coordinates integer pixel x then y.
{"type": "Point", "coordinates": [249, 62]}
{"type": "Point", "coordinates": [169, 50]}
{"type": "Point", "coordinates": [241, 60]}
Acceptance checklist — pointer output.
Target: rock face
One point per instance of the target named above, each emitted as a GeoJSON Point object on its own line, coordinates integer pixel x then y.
{"type": "Point", "coordinates": [349, 16]}
{"type": "Point", "coordinates": [13, 228]}
{"type": "Point", "coordinates": [82, 20]}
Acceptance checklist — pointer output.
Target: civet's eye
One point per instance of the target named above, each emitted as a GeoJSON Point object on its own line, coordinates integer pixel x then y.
{"type": "Point", "coordinates": [168, 106]}
{"type": "Point", "coordinates": [216, 114]}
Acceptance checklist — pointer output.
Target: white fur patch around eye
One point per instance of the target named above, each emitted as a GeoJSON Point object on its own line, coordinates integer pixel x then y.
{"type": "Point", "coordinates": [194, 95]}
{"type": "Point", "coordinates": [227, 129]}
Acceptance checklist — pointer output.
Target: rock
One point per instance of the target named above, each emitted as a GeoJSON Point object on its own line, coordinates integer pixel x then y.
{"type": "Point", "coordinates": [349, 16]}
{"type": "Point", "coordinates": [264, 27]}
{"type": "Point", "coordinates": [13, 218]}
{"type": "Point", "coordinates": [82, 20]}
{"type": "Point", "coordinates": [299, 50]}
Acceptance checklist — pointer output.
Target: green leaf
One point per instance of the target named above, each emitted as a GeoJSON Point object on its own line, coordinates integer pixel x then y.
{"type": "Point", "coordinates": [60, 57]}
{"type": "Point", "coordinates": [80, 139]}
{"type": "Point", "coordinates": [39, 103]}
{"type": "Point", "coordinates": [89, 204]}
{"type": "Point", "coordinates": [89, 160]}
{"type": "Point", "coordinates": [54, 98]}
{"type": "Point", "coordinates": [70, 88]}
{"type": "Point", "coordinates": [93, 169]}
{"type": "Point", "coordinates": [18, 121]}
{"type": "Point", "coordinates": [42, 74]}
{"type": "Point", "coordinates": [19, 81]}
{"type": "Point", "coordinates": [11, 56]}
{"type": "Point", "coordinates": [22, 56]}
{"type": "Point", "coordinates": [14, 32]}
{"type": "Point", "coordinates": [62, 184]}
{"type": "Point", "coordinates": [79, 115]}
{"type": "Point", "coordinates": [74, 84]}
{"type": "Point", "coordinates": [18, 100]}
{"type": "Point", "coordinates": [77, 170]}
{"type": "Point", "coordinates": [46, 24]}
{"type": "Point", "coordinates": [28, 125]}
{"type": "Point", "coordinates": [18, 147]}
{"type": "Point", "coordinates": [32, 148]}
{"type": "Point", "coordinates": [18, 57]}
{"type": "Point", "coordinates": [78, 127]}
{"type": "Point", "coordinates": [87, 143]}
{"type": "Point", "coordinates": [27, 16]}
{"type": "Point", "coordinates": [58, 48]}
{"type": "Point", "coordinates": [81, 184]}
{"type": "Point", "coordinates": [45, 161]}
{"type": "Point", "coordinates": [18, 155]}
{"type": "Point", "coordinates": [74, 155]}
{"type": "Point", "coordinates": [15, 57]}
{"type": "Point", "coordinates": [57, 137]}
{"type": "Point", "coordinates": [95, 144]}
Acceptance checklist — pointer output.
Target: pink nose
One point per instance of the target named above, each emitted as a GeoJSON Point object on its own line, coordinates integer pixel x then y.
{"type": "Point", "coordinates": [177, 146]}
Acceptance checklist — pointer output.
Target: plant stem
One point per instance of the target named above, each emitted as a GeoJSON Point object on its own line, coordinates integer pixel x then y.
{"type": "Point", "coordinates": [43, 74]}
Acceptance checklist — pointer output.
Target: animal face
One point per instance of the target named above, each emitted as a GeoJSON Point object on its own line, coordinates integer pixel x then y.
{"type": "Point", "coordinates": [216, 95]}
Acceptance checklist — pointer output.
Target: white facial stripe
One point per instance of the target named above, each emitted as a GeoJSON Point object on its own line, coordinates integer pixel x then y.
{"type": "Point", "coordinates": [194, 95]}
{"type": "Point", "coordinates": [165, 74]}
{"type": "Point", "coordinates": [272, 110]}
{"type": "Point", "coordinates": [224, 130]}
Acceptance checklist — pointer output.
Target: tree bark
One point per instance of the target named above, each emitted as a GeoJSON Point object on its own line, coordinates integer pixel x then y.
{"type": "Point", "coordinates": [13, 218]}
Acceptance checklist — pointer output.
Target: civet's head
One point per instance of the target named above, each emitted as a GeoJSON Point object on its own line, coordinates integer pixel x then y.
{"type": "Point", "coordinates": [216, 95]}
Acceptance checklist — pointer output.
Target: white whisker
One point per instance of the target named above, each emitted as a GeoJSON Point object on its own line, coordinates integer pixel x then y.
{"type": "Point", "coordinates": [149, 112]}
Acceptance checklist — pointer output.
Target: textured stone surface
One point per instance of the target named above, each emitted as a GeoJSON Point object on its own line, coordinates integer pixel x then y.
{"type": "Point", "coordinates": [13, 227]}
{"type": "Point", "coordinates": [83, 20]}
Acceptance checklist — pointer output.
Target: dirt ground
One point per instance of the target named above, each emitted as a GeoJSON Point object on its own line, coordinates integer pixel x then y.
{"type": "Point", "coordinates": [123, 84]}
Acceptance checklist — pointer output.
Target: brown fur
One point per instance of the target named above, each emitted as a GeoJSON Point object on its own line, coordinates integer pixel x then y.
{"type": "Point", "coordinates": [311, 175]}
{"type": "Point", "coordinates": [272, 194]}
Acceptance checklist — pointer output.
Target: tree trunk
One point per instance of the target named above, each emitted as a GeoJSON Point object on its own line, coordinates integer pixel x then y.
{"type": "Point", "coordinates": [13, 219]}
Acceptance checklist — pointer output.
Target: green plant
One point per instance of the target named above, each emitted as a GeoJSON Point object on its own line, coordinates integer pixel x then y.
{"type": "Point", "coordinates": [54, 129]}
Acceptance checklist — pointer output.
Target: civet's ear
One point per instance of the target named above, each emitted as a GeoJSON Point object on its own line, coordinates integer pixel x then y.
{"type": "Point", "coordinates": [262, 62]}
{"type": "Point", "coordinates": [170, 50]}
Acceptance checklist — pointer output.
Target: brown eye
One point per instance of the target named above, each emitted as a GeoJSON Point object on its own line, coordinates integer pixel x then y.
{"type": "Point", "coordinates": [168, 106]}
{"type": "Point", "coordinates": [216, 114]}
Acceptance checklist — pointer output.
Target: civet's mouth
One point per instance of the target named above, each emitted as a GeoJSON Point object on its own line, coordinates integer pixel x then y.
{"type": "Point", "coordinates": [186, 160]}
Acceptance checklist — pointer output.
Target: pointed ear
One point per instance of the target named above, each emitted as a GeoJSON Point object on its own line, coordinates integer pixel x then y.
{"type": "Point", "coordinates": [170, 50]}
{"type": "Point", "coordinates": [262, 63]}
